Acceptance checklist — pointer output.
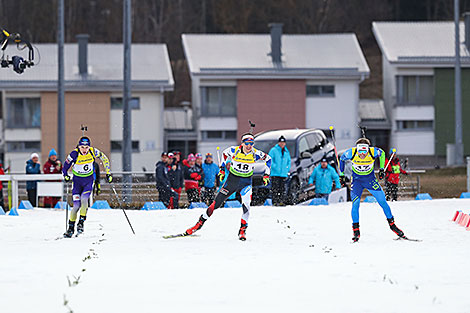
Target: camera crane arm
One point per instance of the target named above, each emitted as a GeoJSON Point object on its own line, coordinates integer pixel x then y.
{"type": "Point", "coordinates": [18, 62]}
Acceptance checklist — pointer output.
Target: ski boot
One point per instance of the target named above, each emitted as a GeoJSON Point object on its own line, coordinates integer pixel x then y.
{"type": "Point", "coordinates": [394, 228]}
{"type": "Point", "coordinates": [242, 231]}
{"type": "Point", "coordinates": [356, 232]}
{"type": "Point", "coordinates": [80, 224]}
{"type": "Point", "coordinates": [196, 227]}
{"type": "Point", "coordinates": [70, 230]}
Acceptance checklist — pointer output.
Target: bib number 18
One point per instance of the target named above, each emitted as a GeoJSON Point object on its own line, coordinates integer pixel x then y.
{"type": "Point", "coordinates": [243, 167]}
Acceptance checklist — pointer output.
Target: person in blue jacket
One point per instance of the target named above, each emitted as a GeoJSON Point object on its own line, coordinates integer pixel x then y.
{"type": "Point", "coordinates": [280, 168]}
{"type": "Point", "coordinates": [323, 176]}
{"type": "Point", "coordinates": [210, 170]}
{"type": "Point", "coordinates": [32, 167]}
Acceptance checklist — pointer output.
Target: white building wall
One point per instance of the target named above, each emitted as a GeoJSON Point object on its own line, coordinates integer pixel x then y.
{"type": "Point", "coordinates": [17, 160]}
{"type": "Point", "coordinates": [211, 123]}
{"type": "Point", "coordinates": [147, 128]}
{"type": "Point", "coordinates": [414, 142]}
{"type": "Point", "coordinates": [407, 142]}
{"type": "Point", "coordinates": [340, 111]}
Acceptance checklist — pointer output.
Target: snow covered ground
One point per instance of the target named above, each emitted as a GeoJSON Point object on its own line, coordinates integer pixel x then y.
{"type": "Point", "coordinates": [296, 259]}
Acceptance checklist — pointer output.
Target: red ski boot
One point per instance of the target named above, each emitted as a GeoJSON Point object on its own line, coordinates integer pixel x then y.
{"type": "Point", "coordinates": [196, 227]}
{"type": "Point", "coordinates": [242, 231]}
{"type": "Point", "coordinates": [356, 232]}
{"type": "Point", "coordinates": [394, 228]}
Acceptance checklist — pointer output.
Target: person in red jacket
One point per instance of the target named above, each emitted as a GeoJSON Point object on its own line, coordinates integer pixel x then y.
{"type": "Point", "coordinates": [392, 175]}
{"type": "Point", "coordinates": [192, 176]}
{"type": "Point", "coordinates": [52, 166]}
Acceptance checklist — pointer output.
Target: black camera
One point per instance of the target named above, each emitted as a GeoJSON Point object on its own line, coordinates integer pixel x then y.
{"type": "Point", "coordinates": [19, 64]}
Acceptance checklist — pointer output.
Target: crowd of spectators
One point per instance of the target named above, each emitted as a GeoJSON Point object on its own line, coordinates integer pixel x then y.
{"type": "Point", "coordinates": [200, 177]}
{"type": "Point", "coordinates": [51, 166]}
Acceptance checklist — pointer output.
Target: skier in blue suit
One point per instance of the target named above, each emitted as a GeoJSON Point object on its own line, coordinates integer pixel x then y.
{"type": "Point", "coordinates": [363, 158]}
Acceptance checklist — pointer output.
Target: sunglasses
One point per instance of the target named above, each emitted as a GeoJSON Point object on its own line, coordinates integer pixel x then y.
{"type": "Point", "coordinates": [249, 143]}
{"type": "Point", "coordinates": [362, 148]}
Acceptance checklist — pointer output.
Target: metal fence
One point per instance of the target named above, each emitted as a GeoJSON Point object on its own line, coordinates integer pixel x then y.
{"type": "Point", "coordinates": [143, 188]}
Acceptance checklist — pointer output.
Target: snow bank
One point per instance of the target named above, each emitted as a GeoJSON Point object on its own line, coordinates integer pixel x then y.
{"type": "Point", "coordinates": [296, 259]}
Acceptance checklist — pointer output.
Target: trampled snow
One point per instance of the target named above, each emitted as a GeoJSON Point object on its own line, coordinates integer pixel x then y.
{"type": "Point", "coordinates": [296, 259]}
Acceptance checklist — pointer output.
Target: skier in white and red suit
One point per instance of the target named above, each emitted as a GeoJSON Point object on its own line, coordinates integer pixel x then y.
{"type": "Point", "coordinates": [240, 161]}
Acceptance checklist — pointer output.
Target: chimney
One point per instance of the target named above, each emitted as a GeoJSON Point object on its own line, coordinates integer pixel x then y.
{"type": "Point", "coordinates": [82, 40]}
{"type": "Point", "coordinates": [276, 34]}
{"type": "Point", "coordinates": [466, 18]}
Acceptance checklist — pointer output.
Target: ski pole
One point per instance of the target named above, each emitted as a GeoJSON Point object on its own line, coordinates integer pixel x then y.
{"type": "Point", "coordinates": [334, 145]}
{"type": "Point", "coordinates": [218, 155]}
{"type": "Point", "coordinates": [391, 157]}
{"type": "Point", "coordinates": [66, 205]}
{"type": "Point", "coordinates": [124, 211]}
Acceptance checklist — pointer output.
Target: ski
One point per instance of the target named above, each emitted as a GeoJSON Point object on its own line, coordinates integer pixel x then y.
{"type": "Point", "coordinates": [178, 235]}
{"type": "Point", "coordinates": [409, 239]}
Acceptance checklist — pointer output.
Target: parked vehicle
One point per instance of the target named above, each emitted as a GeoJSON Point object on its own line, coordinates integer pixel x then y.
{"type": "Point", "coordinates": [307, 147]}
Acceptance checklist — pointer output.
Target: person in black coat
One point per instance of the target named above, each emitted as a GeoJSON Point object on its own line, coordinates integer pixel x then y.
{"type": "Point", "coordinates": [175, 173]}
{"type": "Point", "coordinates": [163, 182]}
{"type": "Point", "coordinates": [32, 167]}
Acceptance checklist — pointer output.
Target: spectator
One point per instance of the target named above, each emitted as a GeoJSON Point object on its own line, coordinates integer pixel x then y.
{"type": "Point", "coordinates": [2, 204]}
{"type": "Point", "coordinates": [192, 177]}
{"type": "Point", "coordinates": [52, 166]}
{"type": "Point", "coordinates": [165, 192]}
{"type": "Point", "coordinates": [323, 176]}
{"type": "Point", "coordinates": [32, 167]}
{"type": "Point", "coordinates": [279, 170]}
{"type": "Point", "coordinates": [200, 169]}
{"type": "Point", "coordinates": [176, 174]}
{"type": "Point", "coordinates": [210, 176]}
{"type": "Point", "coordinates": [392, 175]}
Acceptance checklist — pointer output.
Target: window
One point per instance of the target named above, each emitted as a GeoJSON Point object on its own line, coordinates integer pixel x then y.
{"type": "Point", "coordinates": [314, 140]}
{"type": "Point", "coordinates": [116, 146]}
{"type": "Point", "coordinates": [415, 125]}
{"type": "Point", "coordinates": [303, 146]}
{"type": "Point", "coordinates": [219, 135]}
{"type": "Point", "coordinates": [219, 101]}
{"type": "Point", "coordinates": [321, 91]}
{"type": "Point", "coordinates": [23, 146]}
{"type": "Point", "coordinates": [23, 112]}
{"type": "Point", "coordinates": [415, 90]}
{"type": "Point", "coordinates": [116, 103]}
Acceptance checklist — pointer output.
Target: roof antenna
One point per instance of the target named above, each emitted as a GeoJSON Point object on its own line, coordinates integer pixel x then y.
{"type": "Point", "coordinates": [84, 129]}
{"type": "Point", "coordinates": [252, 126]}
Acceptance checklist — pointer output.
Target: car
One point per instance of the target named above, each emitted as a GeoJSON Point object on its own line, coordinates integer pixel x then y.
{"type": "Point", "coordinates": [307, 147]}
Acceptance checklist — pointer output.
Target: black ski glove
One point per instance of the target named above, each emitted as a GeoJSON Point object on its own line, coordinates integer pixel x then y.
{"type": "Point", "coordinates": [381, 173]}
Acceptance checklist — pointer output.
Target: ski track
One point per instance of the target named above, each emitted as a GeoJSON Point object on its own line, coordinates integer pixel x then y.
{"type": "Point", "coordinates": [296, 259]}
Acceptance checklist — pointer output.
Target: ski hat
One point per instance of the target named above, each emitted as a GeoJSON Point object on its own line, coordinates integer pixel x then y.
{"type": "Point", "coordinates": [198, 156]}
{"type": "Point", "coordinates": [171, 155]}
{"type": "Point", "coordinates": [191, 157]}
{"type": "Point", "coordinates": [208, 155]}
{"type": "Point", "coordinates": [52, 152]}
{"type": "Point", "coordinates": [84, 141]}
{"type": "Point", "coordinates": [324, 160]}
{"type": "Point", "coordinates": [248, 137]}
{"type": "Point", "coordinates": [34, 155]}
{"type": "Point", "coordinates": [282, 139]}
{"type": "Point", "coordinates": [164, 154]}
